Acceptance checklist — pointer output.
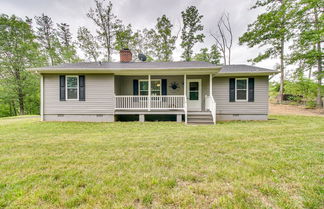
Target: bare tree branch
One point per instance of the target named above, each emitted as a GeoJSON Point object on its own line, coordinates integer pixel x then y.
{"type": "Point", "coordinates": [224, 37]}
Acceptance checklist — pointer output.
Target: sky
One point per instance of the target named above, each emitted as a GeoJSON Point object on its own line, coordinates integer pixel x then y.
{"type": "Point", "coordinates": [143, 14]}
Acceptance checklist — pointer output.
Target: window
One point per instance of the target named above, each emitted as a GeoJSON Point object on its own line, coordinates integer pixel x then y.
{"type": "Point", "coordinates": [72, 87]}
{"type": "Point", "coordinates": [241, 89]}
{"type": "Point", "coordinates": [155, 87]}
{"type": "Point", "coordinates": [194, 90]}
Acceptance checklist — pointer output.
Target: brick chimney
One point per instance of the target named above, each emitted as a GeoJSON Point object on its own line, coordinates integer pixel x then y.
{"type": "Point", "coordinates": [125, 55]}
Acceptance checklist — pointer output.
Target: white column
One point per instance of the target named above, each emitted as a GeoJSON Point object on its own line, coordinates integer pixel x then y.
{"type": "Point", "coordinates": [211, 84]}
{"type": "Point", "coordinates": [179, 118]}
{"type": "Point", "coordinates": [185, 85]}
{"type": "Point", "coordinates": [42, 98]}
{"type": "Point", "coordinates": [149, 92]}
{"type": "Point", "coordinates": [185, 95]}
{"type": "Point", "coordinates": [141, 118]}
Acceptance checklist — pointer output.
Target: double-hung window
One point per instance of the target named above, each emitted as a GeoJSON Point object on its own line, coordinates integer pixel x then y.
{"type": "Point", "coordinates": [155, 87]}
{"type": "Point", "coordinates": [72, 87]}
{"type": "Point", "coordinates": [241, 89]}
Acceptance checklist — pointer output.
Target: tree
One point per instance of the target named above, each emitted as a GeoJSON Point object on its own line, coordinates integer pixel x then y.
{"type": "Point", "coordinates": [212, 56]}
{"type": "Point", "coordinates": [124, 37]}
{"type": "Point", "coordinates": [142, 44]}
{"type": "Point", "coordinates": [164, 38]}
{"type": "Point", "coordinates": [191, 26]}
{"type": "Point", "coordinates": [88, 44]}
{"type": "Point", "coordinates": [107, 22]}
{"type": "Point", "coordinates": [224, 37]}
{"type": "Point", "coordinates": [18, 51]}
{"type": "Point", "coordinates": [203, 55]}
{"type": "Point", "coordinates": [307, 47]}
{"type": "Point", "coordinates": [47, 38]}
{"type": "Point", "coordinates": [273, 28]}
{"type": "Point", "coordinates": [67, 46]}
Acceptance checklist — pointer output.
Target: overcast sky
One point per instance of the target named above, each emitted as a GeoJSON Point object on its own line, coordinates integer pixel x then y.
{"type": "Point", "coordinates": [143, 14]}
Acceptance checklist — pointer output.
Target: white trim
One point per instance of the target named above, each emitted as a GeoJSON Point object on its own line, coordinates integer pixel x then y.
{"type": "Point", "coordinates": [139, 86]}
{"type": "Point", "coordinates": [42, 97]}
{"type": "Point", "coordinates": [66, 87]}
{"type": "Point", "coordinates": [247, 90]}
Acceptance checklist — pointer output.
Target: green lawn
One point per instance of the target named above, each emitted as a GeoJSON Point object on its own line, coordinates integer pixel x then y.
{"type": "Point", "coordinates": [270, 164]}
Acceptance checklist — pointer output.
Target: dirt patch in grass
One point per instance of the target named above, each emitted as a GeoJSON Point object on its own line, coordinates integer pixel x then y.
{"type": "Point", "coordinates": [284, 109]}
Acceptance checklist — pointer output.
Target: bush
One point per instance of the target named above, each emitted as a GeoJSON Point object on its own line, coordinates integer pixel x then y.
{"type": "Point", "coordinates": [302, 90]}
{"type": "Point", "coordinates": [310, 104]}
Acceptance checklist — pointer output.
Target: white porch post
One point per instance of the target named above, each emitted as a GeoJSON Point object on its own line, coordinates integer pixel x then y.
{"type": "Point", "coordinates": [42, 98]}
{"type": "Point", "coordinates": [185, 85]}
{"type": "Point", "coordinates": [211, 84]}
{"type": "Point", "coordinates": [149, 93]}
{"type": "Point", "coordinates": [185, 97]}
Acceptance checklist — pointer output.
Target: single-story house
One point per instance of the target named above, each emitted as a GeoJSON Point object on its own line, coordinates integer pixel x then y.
{"type": "Point", "coordinates": [194, 92]}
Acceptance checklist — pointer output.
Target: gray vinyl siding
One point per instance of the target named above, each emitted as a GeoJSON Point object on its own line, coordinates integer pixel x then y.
{"type": "Point", "coordinates": [124, 84]}
{"type": "Point", "coordinates": [258, 107]}
{"type": "Point", "coordinates": [99, 96]}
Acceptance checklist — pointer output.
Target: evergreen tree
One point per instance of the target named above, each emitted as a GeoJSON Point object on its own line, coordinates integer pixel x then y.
{"type": "Point", "coordinates": [88, 44]}
{"type": "Point", "coordinates": [67, 46]}
{"type": "Point", "coordinates": [47, 38]}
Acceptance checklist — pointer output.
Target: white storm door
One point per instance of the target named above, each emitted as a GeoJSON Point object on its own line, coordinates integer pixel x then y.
{"type": "Point", "coordinates": [194, 94]}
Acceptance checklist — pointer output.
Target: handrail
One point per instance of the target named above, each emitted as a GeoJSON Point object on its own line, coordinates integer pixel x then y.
{"type": "Point", "coordinates": [153, 102]}
{"type": "Point", "coordinates": [213, 108]}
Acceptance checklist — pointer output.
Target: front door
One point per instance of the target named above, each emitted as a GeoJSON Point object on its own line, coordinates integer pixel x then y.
{"type": "Point", "coordinates": [194, 94]}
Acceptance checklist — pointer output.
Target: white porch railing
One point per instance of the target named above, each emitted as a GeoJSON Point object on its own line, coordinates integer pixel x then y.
{"type": "Point", "coordinates": [211, 106]}
{"type": "Point", "coordinates": [164, 102]}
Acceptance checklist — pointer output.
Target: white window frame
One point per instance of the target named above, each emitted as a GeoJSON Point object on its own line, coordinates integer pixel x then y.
{"type": "Point", "coordinates": [66, 86]}
{"type": "Point", "coordinates": [143, 80]}
{"type": "Point", "coordinates": [247, 90]}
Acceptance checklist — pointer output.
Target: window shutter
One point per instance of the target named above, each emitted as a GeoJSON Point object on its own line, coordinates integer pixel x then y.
{"type": "Point", "coordinates": [232, 89]}
{"type": "Point", "coordinates": [81, 88]}
{"type": "Point", "coordinates": [135, 87]}
{"type": "Point", "coordinates": [164, 87]}
{"type": "Point", "coordinates": [251, 89]}
{"type": "Point", "coordinates": [62, 87]}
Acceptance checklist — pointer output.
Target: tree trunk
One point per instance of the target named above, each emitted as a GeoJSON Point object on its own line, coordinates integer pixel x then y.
{"type": "Point", "coordinates": [224, 57]}
{"type": "Point", "coordinates": [319, 102]}
{"type": "Point", "coordinates": [13, 110]}
{"type": "Point", "coordinates": [229, 56]}
{"type": "Point", "coordinates": [282, 71]}
{"type": "Point", "coordinates": [310, 73]}
{"type": "Point", "coordinates": [21, 101]}
{"type": "Point", "coordinates": [20, 93]}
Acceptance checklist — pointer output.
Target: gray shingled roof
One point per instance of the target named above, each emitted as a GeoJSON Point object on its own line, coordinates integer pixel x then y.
{"type": "Point", "coordinates": [244, 69]}
{"type": "Point", "coordinates": [133, 65]}
{"type": "Point", "coordinates": [118, 66]}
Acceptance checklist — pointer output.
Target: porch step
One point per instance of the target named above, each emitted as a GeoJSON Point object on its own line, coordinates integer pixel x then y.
{"type": "Point", "coordinates": [200, 123]}
{"type": "Point", "coordinates": [196, 118]}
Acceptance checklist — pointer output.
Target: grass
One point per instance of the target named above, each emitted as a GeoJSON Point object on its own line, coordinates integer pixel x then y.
{"type": "Point", "coordinates": [271, 164]}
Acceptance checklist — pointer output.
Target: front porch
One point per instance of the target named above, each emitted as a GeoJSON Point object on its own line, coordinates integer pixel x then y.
{"type": "Point", "coordinates": [164, 95]}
